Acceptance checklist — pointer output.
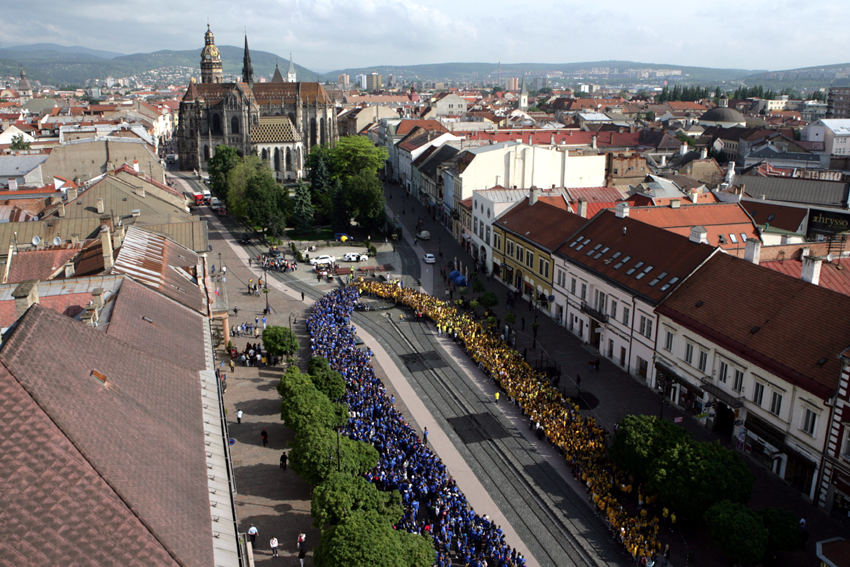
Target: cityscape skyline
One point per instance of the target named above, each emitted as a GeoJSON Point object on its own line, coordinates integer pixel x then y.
{"type": "Point", "coordinates": [327, 35]}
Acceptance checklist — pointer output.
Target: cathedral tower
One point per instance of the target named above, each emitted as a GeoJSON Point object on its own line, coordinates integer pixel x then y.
{"type": "Point", "coordinates": [247, 69]}
{"type": "Point", "coordinates": [290, 75]}
{"type": "Point", "coordinates": [24, 88]}
{"type": "Point", "coordinates": [211, 60]}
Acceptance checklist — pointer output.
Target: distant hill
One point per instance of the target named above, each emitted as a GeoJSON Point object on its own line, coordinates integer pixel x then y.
{"type": "Point", "coordinates": [65, 49]}
{"type": "Point", "coordinates": [806, 77]}
{"type": "Point", "coordinates": [73, 68]}
{"type": "Point", "coordinates": [455, 71]}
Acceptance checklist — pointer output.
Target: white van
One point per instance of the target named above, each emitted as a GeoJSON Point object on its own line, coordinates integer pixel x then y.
{"type": "Point", "coordinates": [207, 195]}
{"type": "Point", "coordinates": [424, 235]}
{"type": "Point", "coordinates": [215, 203]}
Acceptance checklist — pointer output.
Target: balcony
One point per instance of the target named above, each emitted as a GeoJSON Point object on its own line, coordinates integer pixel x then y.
{"type": "Point", "coordinates": [596, 314]}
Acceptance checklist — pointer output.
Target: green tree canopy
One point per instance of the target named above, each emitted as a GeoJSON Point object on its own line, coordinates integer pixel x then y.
{"type": "Point", "coordinates": [18, 143]}
{"type": "Point", "coordinates": [219, 167]}
{"type": "Point", "coordinates": [737, 531]}
{"type": "Point", "coordinates": [367, 540]}
{"type": "Point", "coordinates": [641, 439]}
{"type": "Point", "coordinates": [488, 299]}
{"type": "Point", "coordinates": [303, 406]}
{"type": "Point", "coordinates": [354, 155]}
{"type": "Point", "coordinates": [340, 214]}
{"type": "Point", "coordinates": [302, 210]}
{"type": "Point", "coordinates": [341, 494]}
{"type": "Point", "coordinates": [314, 455]}
{"type": "Point", "coordinates": [478, 286]}
{"type": "Point", "coordinates": [783, 532]}
{"type": "Point", "coordinates": [321, 184]}
{"type": "Point", "coordinates": [237, 181]}
{"type": "Point", "coordinates": [365, 198]}
{"type": "Point", "coordinates": [327, 380]}
{"type": "Point", "coordinates": [266, 202]}
{"type": "Point", "coordinates": [279, 341]}
{"type": "Point", "coordinates": [691, 477]}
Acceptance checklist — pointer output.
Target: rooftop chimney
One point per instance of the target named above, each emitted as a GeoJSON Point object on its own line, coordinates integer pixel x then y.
{"type": "Point", "coordinates": [593, 143]}
{"type": "Point", "coordinates": [532, 195]}
{"type": "Point", "coordinates": [97, 296]}
{"type": "Point", "coordinates": [703, 153]}
{"type": "Point", "coordinates": [730, 172]}
{"type": "Point", "coordinates": [752, 251]}
{"type": "Point", "coordinates": [140, 191]}
{"type": "Point", "coordinates": [699, 235]}
{"type": "Point", "coordinates": [106, 243]}
{"type": "Point", "coordinates": [68, 269]}
{"type": "Point", "coordinates": [100, 206]}
{"type": "Point", "coordinates": [622, 210]}
{"type": "Point", "coordinates": [663, 160]}
{"type": "Point", "coordinates": [72, 194]}
{"type": "Point", "coordinates": [811, 269]}
{"type": "Point", "coordinates": [61, 210]}
{"type": "Point", "coordinates": [75, 238]}
{"type": "Point", "coordinates": [13, 185]}
{"type": "Point", "coordinates": [136, 165]}
{"type": "Point", "coordinates": [582, 207]}
{"type": "Point", "coordinates": [25, 294]}
{"type": "Point", "coordinates": [683, 149]}
{"type": "Point", "coordinates": [118, 237]}
{"type": "Point", "coordinates": [676, 204]}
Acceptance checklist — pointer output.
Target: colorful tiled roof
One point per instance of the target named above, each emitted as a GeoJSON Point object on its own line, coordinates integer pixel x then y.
{"type": "Point", "coordinates": [274, 129]}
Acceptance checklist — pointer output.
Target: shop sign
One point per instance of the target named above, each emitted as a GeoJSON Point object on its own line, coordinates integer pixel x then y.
{"type": "Point", "coordinates": [828, 222]}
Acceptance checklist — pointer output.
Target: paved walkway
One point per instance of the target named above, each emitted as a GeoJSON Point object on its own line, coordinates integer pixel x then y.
{"type": "Point", "coordinates": [618, 393]}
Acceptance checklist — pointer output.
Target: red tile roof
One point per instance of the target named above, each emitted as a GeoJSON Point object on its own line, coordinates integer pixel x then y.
{"type": "Point", "coordinates": [757, 315]}
{"type": "Point", "coordinates": [405, 126]}
{"type": "Point", "coordinates": [39, 264]}
{"type": "Point", "coordinates": [620, 244]}
{"type": "Point", "coordinates": [728, 220]}
{"type": "Point", "coordinates": [543, 224]}
{"type": "Point", "coordinates": [115, 472]}
{"type": "Point", "coordinates": [831, 277]}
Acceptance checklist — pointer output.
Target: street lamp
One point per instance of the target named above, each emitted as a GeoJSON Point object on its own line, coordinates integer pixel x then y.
{"type": "Point", "coordinates": [293, 315]}
{"type": "Point", "coordinates": [266, 287]}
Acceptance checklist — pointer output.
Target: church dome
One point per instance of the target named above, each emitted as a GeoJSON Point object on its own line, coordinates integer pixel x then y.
{"type": "Point", "coordinates": [722, 114]}
{"type": "Point", "coordinates": [24, 84]}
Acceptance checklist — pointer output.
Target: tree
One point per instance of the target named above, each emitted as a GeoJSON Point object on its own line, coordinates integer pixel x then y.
{"type": "Point", "coordinates": [340, 214]}
{"type": "Point", "coordinates": [266, 202]}
{"type": "Point", "coordinates": [367, 540]}
{"type": "Point", "coordinates": [641, 439]}
{"type": "Point", "coordinates": [737, 531]}
{"type": "Point", "coordinates": [304, 407]}
{"type": "Point", "coordinates": [341, 495]}
{"type": "Point", "coordinates": [237, 181]}
{"type": "Point", "coordinates": [356, 155]}
{"type": "Point", "coordinates": [478, 286]}
{"type": "Point", "coordinates": [365, 197]}
{"type": "Point", "coordinates": [783, 532]}
{"type": "Point", "coordinates": [302, 210]}
{"type": "Point", "coordinates": [279, 341]}
{"type": "Point", "coordinates": [685, 139]}
{"type": "Point", "coordinates": [326, 379]}
{"type": "Point", "coordinates": [219, 167]}
{"type": "Point", "coordinates": [488, 300]}
{"type": "Point", "coordinates": [691, 477]}
{"type": "Point", "coordinates": [314, 455]}
{"type": "Point", "coordinates": [18, 143]}
{"type": "Point", "coordinates": [321, 185]}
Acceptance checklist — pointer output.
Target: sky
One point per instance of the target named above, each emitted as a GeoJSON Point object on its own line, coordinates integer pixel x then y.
{"type": "Point", "coordinates": [337, 34]}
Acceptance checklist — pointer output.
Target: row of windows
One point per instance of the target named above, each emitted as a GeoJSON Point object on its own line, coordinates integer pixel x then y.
{"type": "Point", "coordinates": [602, 302]}
{"type": "Point", "coordinates": [521, 254]}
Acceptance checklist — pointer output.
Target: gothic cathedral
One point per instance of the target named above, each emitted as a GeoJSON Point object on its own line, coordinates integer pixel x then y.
{"type": "Point", "coordinates": [280, 121]}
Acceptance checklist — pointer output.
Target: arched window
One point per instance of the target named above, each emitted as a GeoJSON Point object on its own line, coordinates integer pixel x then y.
{"type": "Point", "coordinates": [322, 124]}
{"type": "Point", "coordinates": [206, 153]}
{"type": "Point", "coordinates": [265, 154]}
{"type": "Point", "coordinates": [288, 159]}
{"type": "Point", "coordinates": [234, 125]}
{"type": "Point", "coordinates": [312, 132]}
{"type": "Point", "coordinates": [276, 159]}
{"type": "Point", "coordinates": [216, 125]}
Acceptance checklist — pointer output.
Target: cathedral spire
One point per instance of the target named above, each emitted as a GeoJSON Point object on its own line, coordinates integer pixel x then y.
{"type": "Point", "coordinates": [247, 69]}
{"type": "Point", "coordinates": [277, 77]}
{"type": "Point", "coordinates": [290, 75]}
{"type": "Point", "coordinates": [211, 71]}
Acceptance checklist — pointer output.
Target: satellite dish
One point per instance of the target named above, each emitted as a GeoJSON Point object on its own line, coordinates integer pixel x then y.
{"type": "Point", "coordinates": [36, 240]}
{"type": "Point", "coordinates": [57, 241]}
{"type": "Point", "coordinates": [830, 257]}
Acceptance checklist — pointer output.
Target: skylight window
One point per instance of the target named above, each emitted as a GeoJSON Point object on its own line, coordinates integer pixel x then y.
{"type": "Point", "coordinates": [644, 272]}
{"type": "Point", "coordinates": [658, 278]}
{"type": "Point", "coordinates": [636, 267]}
{"type": "Point", "coordinates": [616, 255]}
{"type": "Point", "coordinates": [583, 244]}
{"type": "Point", "coordinates": [594, 249]}
{"type": "Point", "coordinates": [721, 239]}
{"type": "Point", "coordinates": [666, 286]}
{"type": "Point", "coordinates": [574, 243]}
{"type": "Point", "coordinates": [601, 253]}
{"type": "Point", "coordinates": [733, 238]}
{"type": "Point", "coordinates": [623, 261]}
{"type": "Point", "coordinates": [743, 237]}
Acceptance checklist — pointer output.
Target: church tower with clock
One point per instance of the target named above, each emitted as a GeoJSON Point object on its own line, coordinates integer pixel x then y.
{"type": "Point", "coordinates": [210, 60]}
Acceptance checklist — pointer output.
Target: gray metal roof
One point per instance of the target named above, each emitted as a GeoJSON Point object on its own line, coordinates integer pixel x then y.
{"type": "Point", "coordinates": [804, 191]}
{"type": "Point", "coordinates": [13, 166]}
{"type": "Point", "coordinates": [429, 168]}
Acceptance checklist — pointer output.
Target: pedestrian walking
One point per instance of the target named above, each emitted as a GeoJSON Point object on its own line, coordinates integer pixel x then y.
{"type": "Point", "coordinates": [265, 436]}
{"type": "Point", "coordinates": [425, 436]}
{"type": "Point", "coordinates": [578, 381]}
{"type": "Point", "coordinates": [264, 322]}
{"type": "Point", "coordinates": [273, 545]}
{"type": "Point", "coordinates": [238, 416]}
{"type": "Point", "coordinates": [497, 398]}
{"type": "Point", "coordinates": [302, 296]}
{"type": "Point", "coordinates": [301, 554]}
{"type": "Point", "coordinates": [252, 533]}
{"type": "Point", "coordinates": [232, 365]}
{"type": "Point", "coordinates": [302, 537]}
{"type": "Point", "coordinates": [283, 459]}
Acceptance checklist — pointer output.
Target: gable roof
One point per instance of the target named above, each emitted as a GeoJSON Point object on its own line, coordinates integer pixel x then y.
{"type": "Point", "coordinates": [757, 316]}
{"type": "Point", "coordinates": [794, 190]}
{"type": "Point", "coordinates": [130, 449]}
{"type": "Point", "coordinates": [778, 216]}
{"type": "Point", "coordinates": [833, 275]}
{"type": "Point", "coordinates": [272, 129]}
{"type": "Point", "coordinates": [728, 224]}
{"type": "Point", "coordinates": [612, 247]}
{"type": "Point", "coordinates": [543, 224]}
{"type": "Point", "coordinates": [405, 126]}
{"type": "Point", "coordinates": [39, 264]}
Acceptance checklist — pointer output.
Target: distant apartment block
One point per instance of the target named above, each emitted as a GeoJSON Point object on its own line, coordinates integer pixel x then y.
{"type": "Point", "coordinates": [838, 102]}
{"type": "Point", "coordinates": [373, 82]}
{"type": "Point", "coordinates": [343, 79]}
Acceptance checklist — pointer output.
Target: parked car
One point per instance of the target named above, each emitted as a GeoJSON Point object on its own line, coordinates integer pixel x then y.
{"type": "Point", "coordinates": [324, 259]}
{"type": "Point", "coordinates": [273, 253]}
{"type": "Point", "coordinates": [424, 235]}
{"type": "Point", "coordinates": [244, 239]}
{"type": "Point", "coordinates": [355, 257]}
{"type": "Point", "coordinates": [429, 259]}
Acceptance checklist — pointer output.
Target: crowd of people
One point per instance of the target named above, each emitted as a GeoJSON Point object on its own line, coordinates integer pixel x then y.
{"type": "Point", "coordinates": [433, 504]}
{"type": "Point", "coordinates": [279, 264]}
{"type": "Point", "coordinates": [555, 418]}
